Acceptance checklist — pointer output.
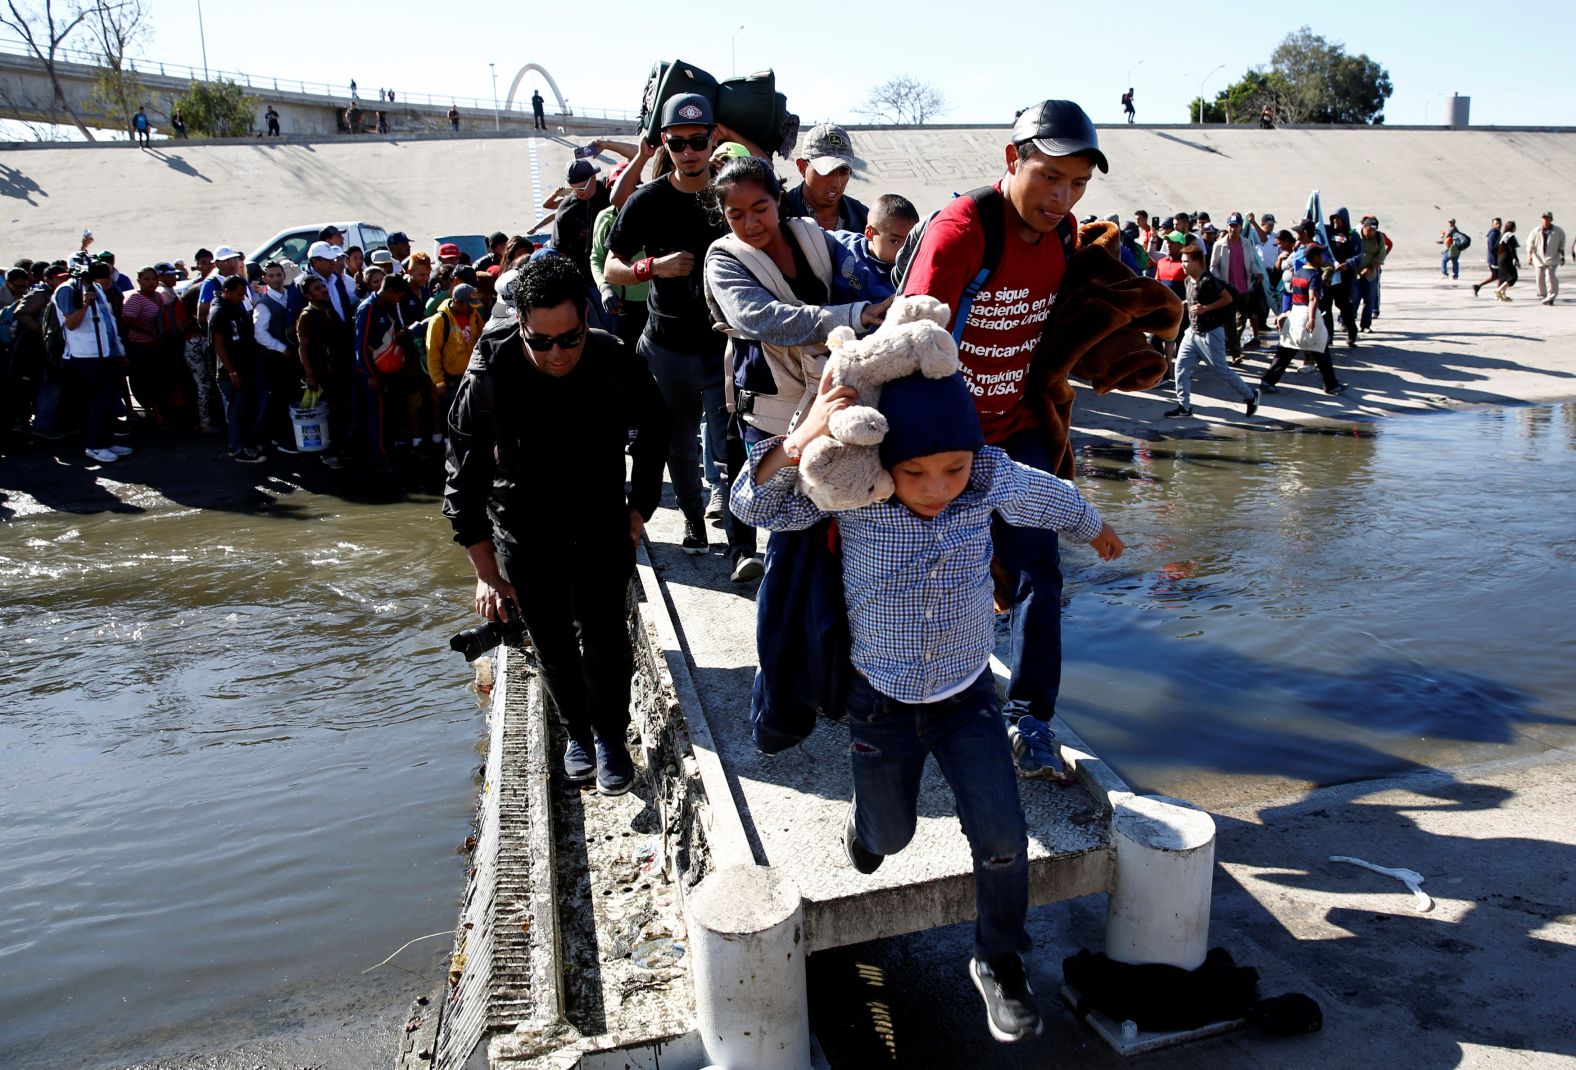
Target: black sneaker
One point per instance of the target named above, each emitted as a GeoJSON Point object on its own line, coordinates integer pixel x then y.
{"type": "Point", "coordinates": [860, 857]}
{"type": "Point", "coordinates": [1265, 388]}
{"type": "Point", "coordinates": [615, 769]}
{"type": "Point", "coordinates": [1180, 410]}
{"type": "Point", "coordinates": [1253, 403]}
{"type": "Point", "coordinates": [578, 766]}
{"type": "Point", "coordinates": [248, 455]}
{"type": "Point", "coordinates": [695, 541]}
{"type": "Point", "coordinates": [1009, 1001]}
{"type": "Point", "coordinates": [1338, 388]}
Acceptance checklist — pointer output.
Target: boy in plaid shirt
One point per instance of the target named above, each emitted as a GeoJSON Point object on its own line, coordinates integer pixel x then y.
{"type": "Point", "coordinates": [916, 574]}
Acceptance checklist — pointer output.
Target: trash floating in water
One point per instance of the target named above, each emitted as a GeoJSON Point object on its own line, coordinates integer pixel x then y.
{"type": "Point", "coordinates": [1410, 877]}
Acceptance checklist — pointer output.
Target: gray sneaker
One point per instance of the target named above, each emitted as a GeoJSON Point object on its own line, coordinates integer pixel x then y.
{"type": "Point", "coordinates": [717, 504]}
{"type": "Point", "coordinates": [1010, 1012]}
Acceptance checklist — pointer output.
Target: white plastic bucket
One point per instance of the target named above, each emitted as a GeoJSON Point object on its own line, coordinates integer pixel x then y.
{"type": "Point", "coordinates": [311, 428]}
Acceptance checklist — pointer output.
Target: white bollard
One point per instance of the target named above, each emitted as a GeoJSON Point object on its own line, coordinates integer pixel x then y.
{"type": "Point", "coordinates": [1165, 860]}
{"type": "Point", "coordinates": [746, 931]}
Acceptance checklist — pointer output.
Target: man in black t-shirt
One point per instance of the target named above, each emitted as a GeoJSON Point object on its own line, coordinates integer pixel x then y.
{"type": "Point", "coordinates": [578, 209]}
{"type": "Point", "coordinates": [667, 221]}
{"type": "Point", "coordinates": [245, 395]}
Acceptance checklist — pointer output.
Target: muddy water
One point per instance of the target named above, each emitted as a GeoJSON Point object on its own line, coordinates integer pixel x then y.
{"type": "Point", "coordinates": [238, 760]}
{"type": "Point", "coordinates": [1309, 607]}
{"type": "Point", "coordinates": [238, 755]}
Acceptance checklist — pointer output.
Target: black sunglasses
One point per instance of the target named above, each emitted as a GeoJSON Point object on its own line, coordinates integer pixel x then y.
{"type": "Point", "coordinates": [568, 340]}
{"type": "Point", "coordinates": [698, 142]}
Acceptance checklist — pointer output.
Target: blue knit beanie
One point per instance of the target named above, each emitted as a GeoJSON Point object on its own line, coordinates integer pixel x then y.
{"type": "Point", "coordinates": [926, 416]}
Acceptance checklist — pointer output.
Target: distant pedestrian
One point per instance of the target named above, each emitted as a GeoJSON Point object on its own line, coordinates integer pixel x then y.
{"type": "Point", "coordinates": [141, 126]}
{"type": "Point", "coordinates": [1509, 247]}
{"type": "Point", "coordinates": [178, 123]}
{"type": "Point", "coordinates": [391, 96]}
{"type": "Point", "coordinates": [1127, 105]}
{"type": "Point", "coordinates": [1454, 241]}
{"type": "Point", "coordinates": [454, 118]}
{"type": "Point", "coordinates": [1266, 118]}
{"type": "Point", "coordinates": [383, 122]}
{"type": "Point", "coordinates": [537, 105]}
{"type": "Point", "coordinates": [1493, 256]}
{"type": "Point", "coordinates": [1546, 252]}
{"type": "Point", "coordinates": [353, 90]}
{"type": "Point", "coordinates": [1210, 307]}
{"type": "Point", "coordinates": [272, 118]}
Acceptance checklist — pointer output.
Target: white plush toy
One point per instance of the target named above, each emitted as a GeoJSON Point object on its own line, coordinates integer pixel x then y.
{"type": "Point", "coordinates": [843, 470]}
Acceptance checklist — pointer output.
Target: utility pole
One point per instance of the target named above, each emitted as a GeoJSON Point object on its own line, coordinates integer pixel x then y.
{"type": "Point", "coordinates": [497, 123]}
{"type": "Point", "coordinates": [203, 37]}
{"type": "Point", "coordinates": [1201, 82]}
{"type": "Point", "coordinates": [733, 50]}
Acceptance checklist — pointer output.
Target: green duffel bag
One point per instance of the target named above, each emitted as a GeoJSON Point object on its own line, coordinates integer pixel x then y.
{"type": "Point", "coordinates": [751, 106]}
{"type": "Point", "coordinates": [669, 79]}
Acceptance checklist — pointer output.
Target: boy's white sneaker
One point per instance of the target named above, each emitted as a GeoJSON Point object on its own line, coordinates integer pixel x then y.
{"type": "Point", "coordinates": [1010, 1013]}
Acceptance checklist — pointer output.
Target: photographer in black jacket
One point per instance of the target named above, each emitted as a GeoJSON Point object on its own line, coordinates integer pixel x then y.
{"type": "Point", "coordinates": [535, 491]}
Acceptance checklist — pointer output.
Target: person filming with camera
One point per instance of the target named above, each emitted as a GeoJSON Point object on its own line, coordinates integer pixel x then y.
{"type": "Point", "coordinates": [535, 491]}
{"type": "Point", "coordinates": [93, 353]}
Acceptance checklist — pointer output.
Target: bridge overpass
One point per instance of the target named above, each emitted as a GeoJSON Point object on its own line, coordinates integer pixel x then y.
{"type": "Point", "coordinates": [306, 109]}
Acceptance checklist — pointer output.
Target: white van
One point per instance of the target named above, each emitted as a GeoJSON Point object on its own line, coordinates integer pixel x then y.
{"type": "Point", "coordinates": [291, 245]}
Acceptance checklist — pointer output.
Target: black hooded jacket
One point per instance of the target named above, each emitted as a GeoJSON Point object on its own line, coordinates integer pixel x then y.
{"type": "Point", "coordinates": [537, 462]}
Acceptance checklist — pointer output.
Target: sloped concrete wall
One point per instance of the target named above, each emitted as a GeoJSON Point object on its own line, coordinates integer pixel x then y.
{"type": "Point", "coordinates": [162, 204]}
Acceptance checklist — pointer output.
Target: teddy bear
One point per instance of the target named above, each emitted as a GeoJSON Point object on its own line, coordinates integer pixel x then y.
{"type": "Point", "coordinates": [842, 470]}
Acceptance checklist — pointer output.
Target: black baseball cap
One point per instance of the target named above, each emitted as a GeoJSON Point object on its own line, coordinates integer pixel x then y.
{"type": "Point", "coordinates": [1059, 128]}
{"type": "Point", "coordinates": [580, 171]}
{"type": "Point", "coordinates": [687, 109]}
{"type": "Point", "coordinates": [328, 232]}
{"type": "Point", "coordinates": [399, 236]}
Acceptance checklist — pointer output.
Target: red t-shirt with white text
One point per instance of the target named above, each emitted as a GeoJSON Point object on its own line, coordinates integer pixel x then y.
{"type": "Point", "coordinates": [1005, 321]}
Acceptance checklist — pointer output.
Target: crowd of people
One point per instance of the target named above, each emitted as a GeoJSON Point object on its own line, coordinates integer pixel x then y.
{"type": "Point", "coordinates": [679, 318]}
{"type": "Point", "coordinates": [1545, 254]}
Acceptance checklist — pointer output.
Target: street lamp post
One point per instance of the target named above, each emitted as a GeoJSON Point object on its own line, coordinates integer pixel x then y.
{"type": "Point", "coordinates": [1201, 82]}
{"type": "Point", "coordinates": [733, 51]}
{"type": "Point", "coordinates": [203, 37]}
{"type": "Point", "coordinates": [1130, 71]}
{"type": "Point", "coordinates": [497, 122]}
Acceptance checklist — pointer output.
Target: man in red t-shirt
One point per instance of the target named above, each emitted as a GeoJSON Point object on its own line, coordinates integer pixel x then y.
{"type": "Point", "coordinates": [1050, 158]}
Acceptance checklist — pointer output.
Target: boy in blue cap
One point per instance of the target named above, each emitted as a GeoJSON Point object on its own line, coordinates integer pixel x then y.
{"type": "Point", "coordinates": [916, 574]}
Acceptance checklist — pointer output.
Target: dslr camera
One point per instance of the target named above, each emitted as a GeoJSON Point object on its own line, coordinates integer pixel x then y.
{"type": "Point", "coordinates": [476, 641]}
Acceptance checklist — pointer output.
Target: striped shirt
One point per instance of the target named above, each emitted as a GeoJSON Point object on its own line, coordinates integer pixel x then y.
{"type": "Point", "coordinates": [919, 591]}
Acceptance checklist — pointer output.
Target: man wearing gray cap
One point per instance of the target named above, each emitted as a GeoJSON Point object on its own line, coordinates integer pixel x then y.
{"type": "Point", "coordinates": [827, 164]}
{"type": "Point", "coordinates": [1546, 252]}
{"type": "Point", "coordinates": [661, 237]}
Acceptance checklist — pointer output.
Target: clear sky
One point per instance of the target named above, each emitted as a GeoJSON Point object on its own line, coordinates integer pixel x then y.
{"type": "Point", "coordinates": [828, 55]}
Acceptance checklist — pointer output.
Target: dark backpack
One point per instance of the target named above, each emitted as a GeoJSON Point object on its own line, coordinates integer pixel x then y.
{"type": "Point", "coordinates": [1463, 239]}
{"type": "Point", "coordinates": [988, 201]}
{"type": "Point", "coordinates": [54, 335]}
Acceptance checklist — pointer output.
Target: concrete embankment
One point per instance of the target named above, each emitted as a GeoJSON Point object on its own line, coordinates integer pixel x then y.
{"type": "Point", "coordinates": [167, 202]}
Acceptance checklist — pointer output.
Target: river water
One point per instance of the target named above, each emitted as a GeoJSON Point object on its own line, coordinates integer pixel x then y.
{"type": "Point", "coordinates": [239, 755]}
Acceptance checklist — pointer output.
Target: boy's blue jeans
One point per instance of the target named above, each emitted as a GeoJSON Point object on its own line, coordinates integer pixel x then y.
{"type": "Point", "coordinates": [966, 733]}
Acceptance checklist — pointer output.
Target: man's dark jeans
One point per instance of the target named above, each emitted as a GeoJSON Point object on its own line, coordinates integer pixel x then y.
{"type": "Point", "coordinates": [1032, 557]}
{"type": "Point", "coordinates": [100, 381]}
{"type": "Point", "coordinates": [574, 598]}
{"type": "Point", "coordinates": [245, 406]}
{"type": "Point", "coordinates": [889, 741]}
{"type": "Point", "coordinates": [692, 388]}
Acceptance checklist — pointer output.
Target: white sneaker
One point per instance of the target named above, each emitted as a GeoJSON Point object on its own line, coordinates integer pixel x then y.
{"type": "Point", "coordinates": [102, 456]}
{"type": "Point", "coordinates": [121, 451]}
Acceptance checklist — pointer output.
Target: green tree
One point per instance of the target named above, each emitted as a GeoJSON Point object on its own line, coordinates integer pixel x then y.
{"type": "Point", "coordinates": [117, 25]}
{"type": "Point", "coordinates": [1308, 80]}
{"type": "Point", "coordinates": [220, 108]}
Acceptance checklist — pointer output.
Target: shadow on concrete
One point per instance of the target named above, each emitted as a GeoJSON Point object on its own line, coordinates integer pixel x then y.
{"type": "Point", "coordinates": [15, 184]}
{"type": "Point", "coordinates": [1212, 150]}
{"type": "Point", "coordinates": [177, 163]}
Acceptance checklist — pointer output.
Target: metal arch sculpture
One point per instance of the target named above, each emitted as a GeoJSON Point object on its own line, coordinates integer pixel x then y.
{"type": "Point", "coordinates": [563, 106]}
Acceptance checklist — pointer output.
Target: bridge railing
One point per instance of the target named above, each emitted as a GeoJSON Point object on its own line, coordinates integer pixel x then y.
{"type": "Point", "coordinates": [339, 94]}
